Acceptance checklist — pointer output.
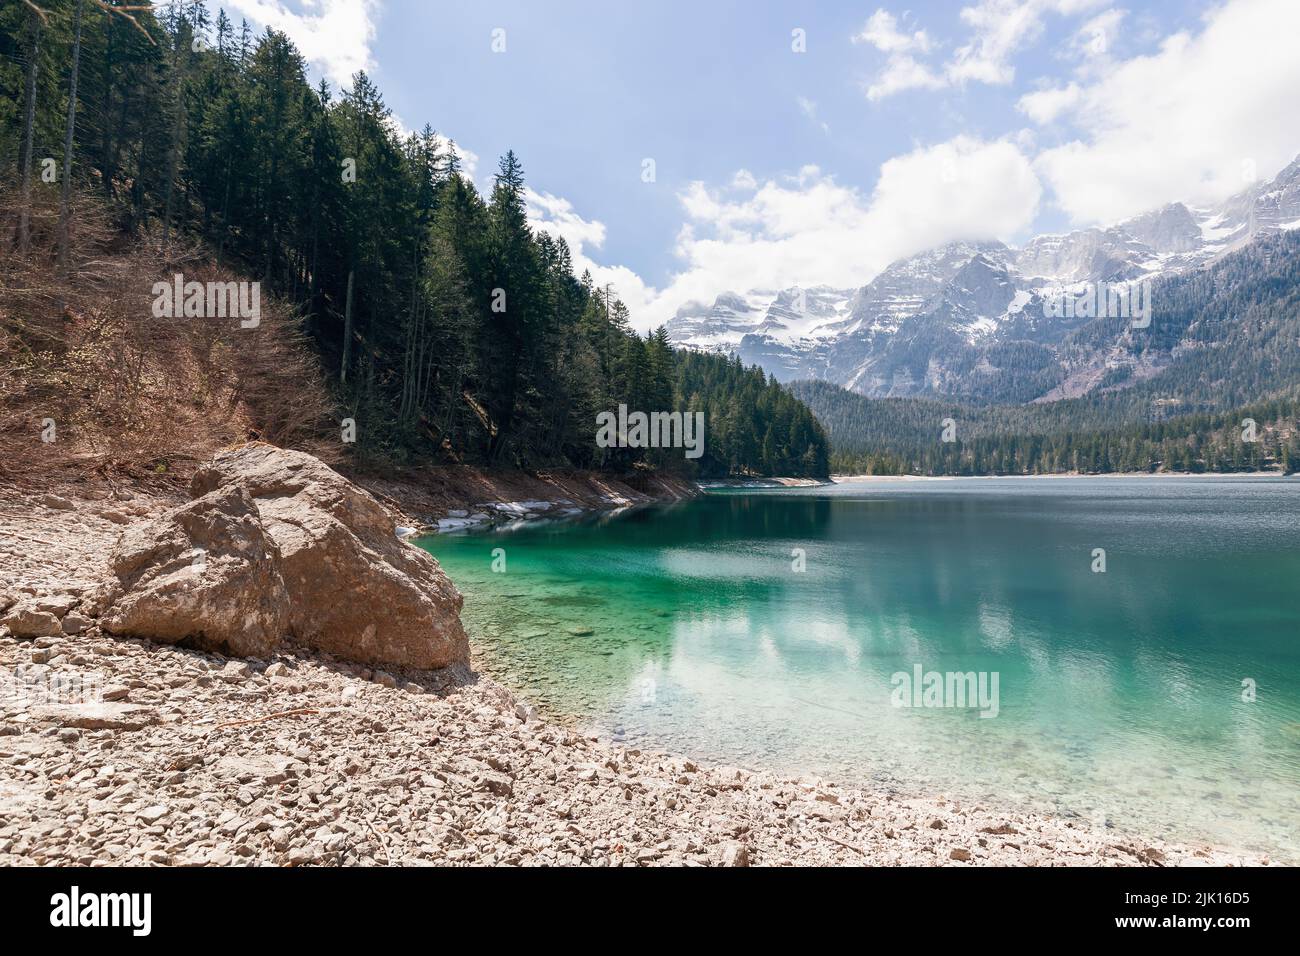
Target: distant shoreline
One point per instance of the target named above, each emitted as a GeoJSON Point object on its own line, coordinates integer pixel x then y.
{"type": "Point", "coordinates": [774, 482]}
{"type": "Point", "coordinates": [844, 479]}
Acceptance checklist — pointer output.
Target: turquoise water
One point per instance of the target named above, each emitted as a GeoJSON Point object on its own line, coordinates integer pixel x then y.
{"type": "Point", "coordinates": [1120, 694]}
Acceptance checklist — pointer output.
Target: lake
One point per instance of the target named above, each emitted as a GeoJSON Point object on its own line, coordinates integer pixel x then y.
{"type": "Point", "coordinates": [1142, 635]}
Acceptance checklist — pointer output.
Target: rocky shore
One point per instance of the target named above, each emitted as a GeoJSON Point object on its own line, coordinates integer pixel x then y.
{"type": "Point", "coordinates": [123, 750]}
{"type": "Point", "coordinates": [454, 498]}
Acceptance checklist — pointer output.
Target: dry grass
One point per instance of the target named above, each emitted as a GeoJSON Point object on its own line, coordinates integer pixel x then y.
{"type": "Point", "coordinates": [130, 394]}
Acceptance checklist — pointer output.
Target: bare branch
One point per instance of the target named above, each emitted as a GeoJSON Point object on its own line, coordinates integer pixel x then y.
{"type": "Point", "coordinates": [43, 14]}
{"type": "Point", "coordinates": [125, 14]}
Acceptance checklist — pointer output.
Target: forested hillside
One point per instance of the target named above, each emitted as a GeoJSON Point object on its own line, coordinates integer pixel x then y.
{"type": "Point", "coordinates": [896, 436]}
{"type": "Point", "coordinates": [752, 419]}
{"type": "Point", "coordinates": [1220, 337]}
{"type": "Point", "coordinates": [1222, 347]}
{"type": "Point", "coordinates": [444, 326]}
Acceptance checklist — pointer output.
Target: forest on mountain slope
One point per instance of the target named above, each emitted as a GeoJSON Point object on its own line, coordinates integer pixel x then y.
{"type": "Point", "coordinates": [1222, 350]}
{"type": "Point", "coordinates": [905, 436]}
{"type": "Point", "coordinates": [436, 319]}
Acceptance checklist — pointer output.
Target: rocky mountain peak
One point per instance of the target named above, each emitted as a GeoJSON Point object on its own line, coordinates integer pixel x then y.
{"type": "Point", "coordinates": [904, 329]}
{"type": "Point", "coordinates": [1170, 229]}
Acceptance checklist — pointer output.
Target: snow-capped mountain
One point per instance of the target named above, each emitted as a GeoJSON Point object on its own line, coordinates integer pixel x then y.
{"type": "Point", "coordinates": [970, 319]}
{"type": "Point", "coordinates": [785, 315]}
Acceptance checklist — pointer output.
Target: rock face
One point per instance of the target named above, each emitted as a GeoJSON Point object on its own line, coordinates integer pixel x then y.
{"type": "Point", "coordinates": [206, 571]}
{"type": "Point", "coordinates": [355, 590]}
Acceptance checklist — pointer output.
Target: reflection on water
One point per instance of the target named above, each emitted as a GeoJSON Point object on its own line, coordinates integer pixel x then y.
{"type": "Point", "coordinates": [1120, 693]}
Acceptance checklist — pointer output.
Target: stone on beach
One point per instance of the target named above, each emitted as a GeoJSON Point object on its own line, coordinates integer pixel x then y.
{"type": "Point", "coordinates": [24, 619]}
{"type": "Point", "coordinates": [206, 572]}
{"type": "Point", "coordinates": [354, 589]}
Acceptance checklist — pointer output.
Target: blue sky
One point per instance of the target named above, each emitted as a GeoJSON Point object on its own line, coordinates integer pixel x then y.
{"type": "Point", "coordinates": [897, 126]}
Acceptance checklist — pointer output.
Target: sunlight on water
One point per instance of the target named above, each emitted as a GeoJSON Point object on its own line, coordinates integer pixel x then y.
{"type": "Point", "coordinates": [686, 628]}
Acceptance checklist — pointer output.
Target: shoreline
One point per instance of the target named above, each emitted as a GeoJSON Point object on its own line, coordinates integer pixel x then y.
{"type": "Point", "coordinates": [302, 759]}
{"type": "Point", "coordinates": [845, 479]}
{"type": "Point", "coordinates": [448, 499]}
{"type": "Point", "coordinates": [774, 482]}
{"type": "Point", "coordinates": [1065, 822]}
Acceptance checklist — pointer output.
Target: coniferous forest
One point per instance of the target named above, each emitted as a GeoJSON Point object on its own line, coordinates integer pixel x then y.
{"type": "Point", "coordinates": [445, 327]}
{"type": "Point", "coordinates": [905, 436]}
{"type": "Point", "coordinates": [1226, 400]}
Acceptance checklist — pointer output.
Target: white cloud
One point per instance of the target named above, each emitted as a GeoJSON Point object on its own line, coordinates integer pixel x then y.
{"type": "Point", "coordinates": [810, 230]}
{"type": "Point", "coordinates": [744, 179]}
{"type": "Point", "coordinates": [1095, 40]}
{"type": "Point", "coordinates": [556, 216]}
{"type": "Point", "coordinates": [809, 109]}
{"type": "Point", "coordinates": [1182, 123]}
{"type": "Point", "coordinates": [965, 188]}
{"type": "Point", "coordinates": [334, 35]}
{"type": "Point", "coordinates": [1043, 106]}
{"type": "Point", "coordinates": [807, 229]}
{"type": "Point", "coordinates": [882, 32]}
{"type": "Point", "coordinates": [999, 30]}
{"type": "Point", "coordinates": [902, 73]}
{"type": "Point", "coordinates": [468, 158]}
{"type": "Point", "coordinates": [902, 70]}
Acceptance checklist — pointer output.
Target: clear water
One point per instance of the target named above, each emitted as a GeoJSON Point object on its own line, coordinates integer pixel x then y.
{"type": "Point", "coordinates": [1120, 693]}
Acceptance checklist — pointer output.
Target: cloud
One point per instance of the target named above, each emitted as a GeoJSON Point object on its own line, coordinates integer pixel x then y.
{"type": "Point", "coordinates": [1096, 39]}
{"type": "Point", "coordinates": [1045, 105]}
{"type": "Point", "coordinates": [903, 73]}
{"type": "Point", "coordinates": [882, 32]}
{"type": "Point", "coordinates": [809, 109]}
{"type": "Point", "coordinates": [557, 217]}
{"type": "Point", "coordinates": [469, 161]}
{"type": "Point", "coordinates": [1182, 123]}
{"type": "Point", "coordinates": [807, 229]}
{"type": "Point", "coordinates": [902, 70]}
{"type": "Point", "coordinates": [334, 35]}
{"type": "Point", "coordinates": [999, 30]}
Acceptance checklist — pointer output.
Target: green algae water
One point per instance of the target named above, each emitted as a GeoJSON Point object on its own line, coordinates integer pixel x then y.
{"type": "Point", "coordinates": [1159, 696]}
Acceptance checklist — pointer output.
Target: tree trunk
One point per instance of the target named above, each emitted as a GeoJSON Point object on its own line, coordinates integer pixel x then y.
{"type": "Point", "coordinates": [310, 324]}
{"type": "Point", "coordinates": [173, 158]}
{"type": "Point", "coordinates": [106, 128]}
{"type": "Point", "coordinates": [65, 197]}
{"type": "Point", "coordinates": [225, 216]}
{"type": "Point", "coordinates": [29, 134]}
{"type": "Point", "coordinates": [347, 332]}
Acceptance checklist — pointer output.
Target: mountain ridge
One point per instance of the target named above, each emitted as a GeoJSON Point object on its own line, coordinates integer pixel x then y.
{"type": "Point", "coordinates": [971, 319]}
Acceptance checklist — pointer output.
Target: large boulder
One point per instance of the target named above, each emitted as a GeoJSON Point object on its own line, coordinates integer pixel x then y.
{"type": "Point", "coordinates": [206, 572]}
{"type": "Point", "coordinates": [355, 589]}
